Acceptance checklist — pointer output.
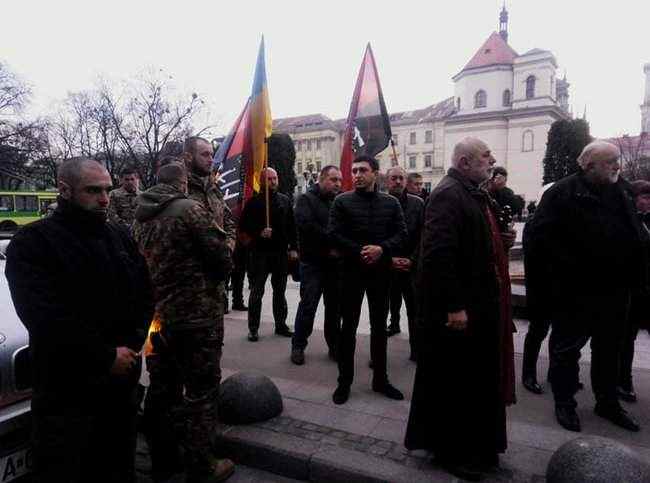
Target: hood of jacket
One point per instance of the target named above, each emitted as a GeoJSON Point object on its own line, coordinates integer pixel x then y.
{"type": "Point", "coordinates": [155, 200]}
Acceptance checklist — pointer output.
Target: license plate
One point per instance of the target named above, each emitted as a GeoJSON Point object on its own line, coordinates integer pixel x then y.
{"type": "Point", "coordinates": [15, 465]}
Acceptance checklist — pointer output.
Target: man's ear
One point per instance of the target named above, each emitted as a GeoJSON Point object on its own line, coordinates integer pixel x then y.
{"type": "Point", "coordinates": [65, 190]}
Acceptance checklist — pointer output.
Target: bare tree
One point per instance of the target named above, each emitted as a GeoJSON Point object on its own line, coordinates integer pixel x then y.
{"type": "Point", "coordinates": [635, 156]}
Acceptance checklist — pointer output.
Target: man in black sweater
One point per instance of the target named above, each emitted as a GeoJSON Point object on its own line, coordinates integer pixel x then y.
{"type": "Point", "coordinates": [270, 249]}
{"type": "Point", "coordinates": [368, 228]}
{"type": "Point", "coordinates": [82, 290]}
{"type": "Point", "coordinates": [319, 264]}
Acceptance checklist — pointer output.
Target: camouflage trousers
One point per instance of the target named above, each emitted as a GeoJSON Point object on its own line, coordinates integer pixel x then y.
{"type": "Point", "coordinates": [181, 403]}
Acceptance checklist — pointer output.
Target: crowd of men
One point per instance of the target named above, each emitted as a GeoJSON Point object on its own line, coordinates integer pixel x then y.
{"type": "Point", "coordinates": [88, 290]}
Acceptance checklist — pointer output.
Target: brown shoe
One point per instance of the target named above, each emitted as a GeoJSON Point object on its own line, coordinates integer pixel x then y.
{"type": "Point", "coordinates": [220, 470]}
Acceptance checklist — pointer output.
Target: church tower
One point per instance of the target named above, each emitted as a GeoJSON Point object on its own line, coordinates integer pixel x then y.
{"type": "Point", "coordinates": [645, 107]}
{"type": "Point", "coordinates": [503, 23]}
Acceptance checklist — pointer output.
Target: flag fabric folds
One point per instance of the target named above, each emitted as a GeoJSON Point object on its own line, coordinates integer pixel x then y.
{"type": "Point", "coordinates": [367, 130]}
{"type": "Point", "coordinates": [232, 162]}
{"type": "Point", "coordinates": [261, 123]}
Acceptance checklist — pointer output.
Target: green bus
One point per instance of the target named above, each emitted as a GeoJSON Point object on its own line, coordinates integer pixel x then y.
{"type": "Point", "coordinates": [21, 207]}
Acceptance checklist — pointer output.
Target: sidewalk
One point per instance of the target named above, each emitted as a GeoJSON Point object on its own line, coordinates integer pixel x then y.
{"type": "Point", "coordinates": [362, 440]}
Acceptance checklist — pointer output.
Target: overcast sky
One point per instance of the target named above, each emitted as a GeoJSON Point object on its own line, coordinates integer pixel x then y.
{"type": "Point", "coordinates": [314, 49]}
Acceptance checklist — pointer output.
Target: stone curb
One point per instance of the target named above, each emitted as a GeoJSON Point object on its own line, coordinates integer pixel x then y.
{"type": "Point", "coordinates": [306, 451]}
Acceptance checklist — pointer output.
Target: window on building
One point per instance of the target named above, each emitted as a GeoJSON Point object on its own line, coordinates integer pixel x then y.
{"type": "Point", "coordinates": [299, 167]}
{"type": "Point", "coordinates": [412, 162]}
{"type": "Point", "coordinates": [427, 186]}
{"type": "Point", "coordinates": [308, 144]}
{"type": "Point", "coordinates": [318, 144]}
{"type": "Point", "coordinates": [530, 87]}
{"type": "Point", "coordinates": [458, 103]}
{"type": "Point", "coordinates": [527, 141]}
{"type": "Point", "coordinates": [395, 138]}
{"type": "Point", "coordinates": [480, 99]}
{"type": "Point", "coordinates": [7, 203]}
{"type": "Point", "coordinates": [428, 137]}
{"type": "Point", "coordinates": [507, 98]}
{"type": "Point", "coordinates": [298, 145]}
{"type": "Point", "coordinates": [318, 166]}
{"type": "Point", "coordinates": [413, 138]}
{"type": "Point", "coordinates": [427, 160]}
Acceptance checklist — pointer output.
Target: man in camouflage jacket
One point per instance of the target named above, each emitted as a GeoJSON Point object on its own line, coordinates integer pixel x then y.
{"type": "Point", "coordinates": [188, 257]}
{"type": "Point", "coordinates": [124, 200]}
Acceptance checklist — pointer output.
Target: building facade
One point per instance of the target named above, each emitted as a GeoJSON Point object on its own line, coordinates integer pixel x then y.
{"type": "Point", "coordinates": [506, 99]}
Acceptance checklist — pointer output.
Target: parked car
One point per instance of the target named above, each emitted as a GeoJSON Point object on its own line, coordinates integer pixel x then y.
{"type": "Point", "coordinates": [15, 387]}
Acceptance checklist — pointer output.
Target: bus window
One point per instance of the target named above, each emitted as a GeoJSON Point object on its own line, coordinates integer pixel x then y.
{"type": "Point", "coordinates": [26, 203]}
{"type": "Point", "coordinates": [6, 203]}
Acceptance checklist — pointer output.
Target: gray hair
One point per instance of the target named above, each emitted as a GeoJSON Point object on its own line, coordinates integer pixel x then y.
{"type": "Point", "coordinates": [587, 155]}
{"type": "Point", "coordinates": [396, 168]}
{"type": "Point", "coordinates": [466, 148]}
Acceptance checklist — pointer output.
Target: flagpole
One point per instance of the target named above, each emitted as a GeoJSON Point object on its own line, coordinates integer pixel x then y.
{"type": "Point", "coordinates": [266, 183]}
{"type": "Point", "coordinates": [392, 145]}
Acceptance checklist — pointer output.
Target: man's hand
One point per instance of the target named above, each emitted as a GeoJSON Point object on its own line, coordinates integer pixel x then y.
{"type": "Point", "coordinates": [293, 255]}
{"type": "Point", "coordinates": [508, 238]}
{"type": "Point", "coordinates": [267, 233]}
{"type": "Point", "coordinates": [457, 320]}
{"type": "Point", "coordinates": [371, 253]}
{"type": "Point", "coordinates": [402, 264]}
{"type": "Point", "coordinates": [125, 361]}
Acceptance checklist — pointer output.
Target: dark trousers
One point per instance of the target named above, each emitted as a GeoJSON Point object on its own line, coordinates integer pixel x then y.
{"type": "Point", "coordinates": [260, 266]}
{"type": "Point", "coordinates": [77, 445]}
{"type": "Point", "coordinates": [627, 357]}
{"type": "Point", "coordinates": [602, 318]}
{"type": "Point", "coordinates": [317, 280]}
{"type": "Point", "coordinates": [239, 258]}
{"type": "Point", "coordinates": [537, 332]}
{"type": "Point", "coordinates": [401, 287]}
{"type": "Point", "coordinates": [180, 406]}
{"type": "Point", "coordinates": [375, 285]}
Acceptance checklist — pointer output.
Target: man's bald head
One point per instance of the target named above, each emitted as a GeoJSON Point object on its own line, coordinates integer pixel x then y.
{"type": "Point", "coordinates": [85, 183]}
{"type": "Point", "coordinates": [599, 162]}
{"type": "Point", "coordinates": [270, 176]}
{"type": "Point", "coordinates": [473, 159]}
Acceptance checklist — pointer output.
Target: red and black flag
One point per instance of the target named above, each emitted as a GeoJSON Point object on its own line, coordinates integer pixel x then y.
{"type": "Point", "coordinates": [367, 130]}
{"type": "Point", "coordinates": [232, 162]}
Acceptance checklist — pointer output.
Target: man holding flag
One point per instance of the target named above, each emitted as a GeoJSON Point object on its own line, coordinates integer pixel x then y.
{"type": "Point", "coordinates": [368, 228]}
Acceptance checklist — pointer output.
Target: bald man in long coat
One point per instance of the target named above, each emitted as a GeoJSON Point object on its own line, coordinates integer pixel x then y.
{"type": "Point", "coordinates": [465, 374]}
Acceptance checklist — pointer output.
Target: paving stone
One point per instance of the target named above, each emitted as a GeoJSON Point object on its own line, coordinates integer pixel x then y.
{"type": "Point", "coordinates": [385, 444]}
{"type": "Point", "coordinates": [378, 450]}
{"type": "Point", "coordinates": [353, 437]}
{"type": "Point", "coordinates": [339, 434]}
{"type": "Point", "coordinates": [396, 455]}
{"type": "Point", "coordinates": [310, 427]}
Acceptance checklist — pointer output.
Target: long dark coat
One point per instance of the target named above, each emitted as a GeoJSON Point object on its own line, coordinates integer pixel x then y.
{"type": "Point", "coordinates": [458, 405]}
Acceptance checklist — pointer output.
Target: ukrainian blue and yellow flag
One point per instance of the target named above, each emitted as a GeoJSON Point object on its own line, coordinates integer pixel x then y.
{"type": "Point", "coordinates": [261, 123]}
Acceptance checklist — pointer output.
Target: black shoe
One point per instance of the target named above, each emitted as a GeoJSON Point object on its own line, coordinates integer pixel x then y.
{"type": "Point", "coordinates": [625, 395]}
{"type": "Point", "coordinates": [253, 337]}
{"type": "Point", "coordinates": [568, 418]}
{"type": "Point", "coordinates": [283, 330]}
{"type": "Point", "coordinates": [341, 394]}
{"type": "Point", "coordinates": [240, 307]}
{"type": "Point", "coordinates": [531, 384]}
{"type": "Point", "coordinates": [332, 353]}
{"type": "Point", "coordinates": [392, 330]}
{"type": "Point", "coordinates": [618, 416]}
{"type": "Point", "coordinates": [388, 390]}
{"type": "Point", "coordinates": [298, 356]}
{"type": "Point", "coordinates": [464, 471]}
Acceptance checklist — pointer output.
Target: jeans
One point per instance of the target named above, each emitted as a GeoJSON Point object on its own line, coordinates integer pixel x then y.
{"type": "Point", "coordinates": [317, 280]}
{"type": "Point", "coordinates": [260, 265]}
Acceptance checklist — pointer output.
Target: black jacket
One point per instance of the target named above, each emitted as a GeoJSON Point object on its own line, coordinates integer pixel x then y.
{"type": "Point", "coordinates": [456, 269]}
{"type": "Point", "coordinates": [413, 208]}
{"type": "Point", "coordinates": [584, 241]}
{"type": "Point", "coordinates": [359, 218]}
{"type": "Point", "coordinates": [312, 215]}
{"type": "Point", "coordinates": [82, 289]}
{"type": "Point", "coordinates": [253, 221]}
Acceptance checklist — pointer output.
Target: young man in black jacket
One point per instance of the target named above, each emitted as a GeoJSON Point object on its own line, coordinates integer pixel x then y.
{"type": "Point", "coordinates": [319, 264]}
{"type": "Point", "coordinates": [82, 290]}
{"type": "Point", "coordinates": [368, 228]}
{"type": "Point", "coordinates": [270, 249]}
